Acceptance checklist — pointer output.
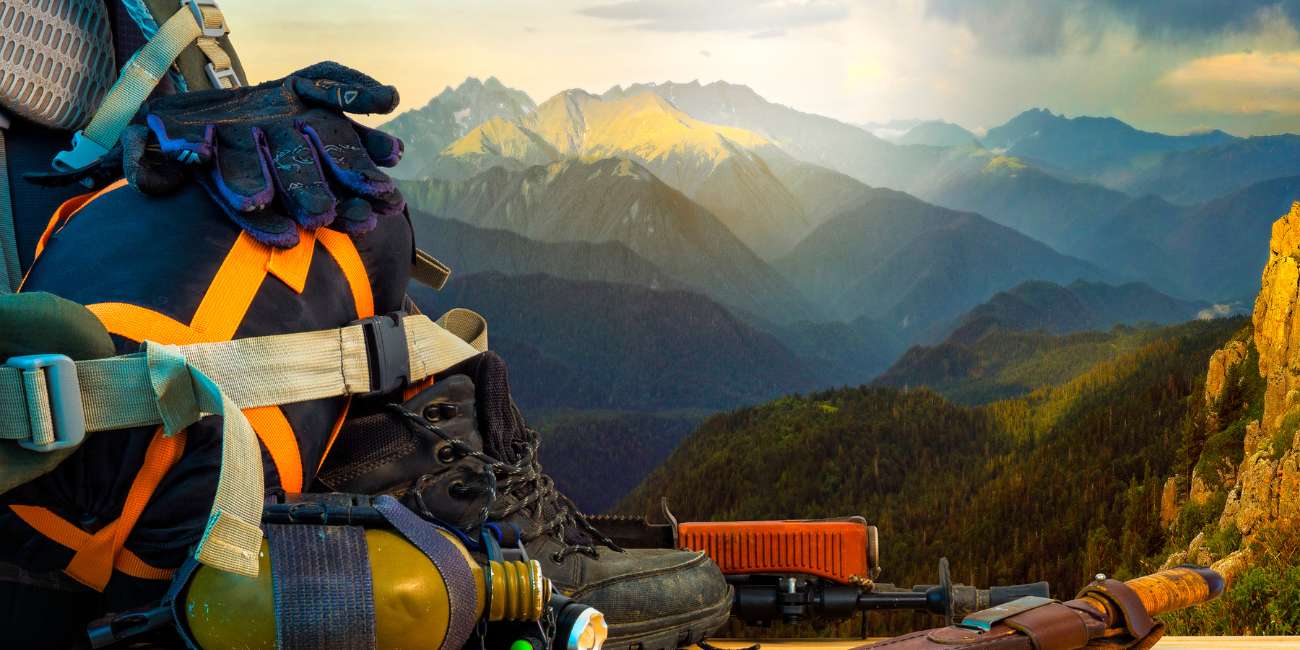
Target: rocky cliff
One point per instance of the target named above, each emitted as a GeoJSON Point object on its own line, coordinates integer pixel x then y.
{"type": "Point", "coordinates": [1252, 399]}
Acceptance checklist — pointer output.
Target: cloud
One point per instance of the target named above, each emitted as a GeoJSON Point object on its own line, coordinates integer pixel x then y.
{"type": "Point", "coordinates": [1043, 27]}
{"type": "Point", "coordinates": [762, 17]}
{"type": "Point", "coordinates": [1241, 82]}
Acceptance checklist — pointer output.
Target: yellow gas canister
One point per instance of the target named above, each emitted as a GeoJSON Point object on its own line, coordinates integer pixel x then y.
{"type": "Point", "coordinates": [411, 601]}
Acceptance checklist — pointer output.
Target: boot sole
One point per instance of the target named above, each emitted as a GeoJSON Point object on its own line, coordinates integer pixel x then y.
{"type": "Point", "coordinates": [670, 633]}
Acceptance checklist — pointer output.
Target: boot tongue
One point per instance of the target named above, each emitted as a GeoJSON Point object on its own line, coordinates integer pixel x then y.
{"type": "Point", "coordinates": [503, 428]}
{"type": "Point", "coordinates": [500, 424]}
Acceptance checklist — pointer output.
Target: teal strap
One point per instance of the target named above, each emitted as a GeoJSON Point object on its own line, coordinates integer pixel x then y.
{"type": "Point", "coordinates": [11, 272]}
{"type": "Point", "coordinates": [139, 77]}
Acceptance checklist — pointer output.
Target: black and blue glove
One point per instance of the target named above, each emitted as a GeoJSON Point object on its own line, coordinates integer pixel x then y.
{"type": "Point", "coordinates": [275, 156]}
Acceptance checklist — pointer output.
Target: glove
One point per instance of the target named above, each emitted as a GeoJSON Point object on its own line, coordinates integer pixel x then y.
{"type": "Point", "coordinates": [277, 155]}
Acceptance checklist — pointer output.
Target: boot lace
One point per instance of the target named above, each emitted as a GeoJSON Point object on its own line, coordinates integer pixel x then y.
{"type": "Point", "coordinates": [528, 488]}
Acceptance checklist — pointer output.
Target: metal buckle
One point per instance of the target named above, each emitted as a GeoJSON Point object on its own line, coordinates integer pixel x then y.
{"type": "Point", "coordinates": [215, 77]}
{"type": "Point", "coordinates": [66, 415]}
{"type": "Point", "coordinates": [196, 8]}
{"type": "Point", "coordinates": [389, 360]}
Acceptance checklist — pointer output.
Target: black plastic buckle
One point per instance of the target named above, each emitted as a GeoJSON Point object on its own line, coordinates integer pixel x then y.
{"type": "Point", "coordinates": [389, 360]}
{"type": "Point", "coordinates": [115, 628]}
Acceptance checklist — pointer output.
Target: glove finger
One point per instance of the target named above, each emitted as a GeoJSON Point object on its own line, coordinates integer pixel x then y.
{"type": "Point", "coordinates": [384, 150]}
{"type": "Point", "coordinates": [240, 173]}
{"type": "Point", "coordinates": [142, 169]}
{"type": "Point", "coordinates": [304, 192]}
{"type": "Point", "coordinates": [348, 95]}
{"type": "Point", "coordinates": [356, 217]}
{"type": "Point", "coordinates": [266, 224]}
{"type": "Point", "coordinates": [348, 162]}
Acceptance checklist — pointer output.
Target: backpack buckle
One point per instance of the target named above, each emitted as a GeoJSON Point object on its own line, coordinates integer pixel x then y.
{"type": "Point", "coordinates": [386, 353]}
{"type": "Point", "coordinates": [63, 394]}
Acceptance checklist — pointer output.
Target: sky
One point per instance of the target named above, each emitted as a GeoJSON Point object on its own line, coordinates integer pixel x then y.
{"type": "Point", "coordinates": [1165, 65]}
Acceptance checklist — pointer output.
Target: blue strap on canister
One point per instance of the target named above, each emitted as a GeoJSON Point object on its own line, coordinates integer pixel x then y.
{"type": "Point", "coordinates": [322, 587]}
{"type": "Point", "coordinates": [461, 590]}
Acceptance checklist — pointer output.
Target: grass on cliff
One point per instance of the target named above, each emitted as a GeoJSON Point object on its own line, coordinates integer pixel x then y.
{"type": "Point", "coordinates": [1264, 600]}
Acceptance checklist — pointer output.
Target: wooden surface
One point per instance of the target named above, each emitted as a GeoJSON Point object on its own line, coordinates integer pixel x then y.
{"type": "Point", "coordinates": [1167, 643]}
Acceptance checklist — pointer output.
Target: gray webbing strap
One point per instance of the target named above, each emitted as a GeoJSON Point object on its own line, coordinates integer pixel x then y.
{"type": "Point", "coordinates": [322, 587]}
{"type": "Point", "coordinates": [461, 590]}
{"type": "Point", "coordinates": [8, 237]}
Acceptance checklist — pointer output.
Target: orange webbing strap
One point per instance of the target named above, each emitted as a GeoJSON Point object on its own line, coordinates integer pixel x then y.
{"type": "Point", "coordinates": [334, 434]}
{"type": "Point", "coordinates": [93, 564]}
{"type": "Point", "coordinates": [218, 316]}
{"type": "Point", "coordinates": [344, 251]}
{"type": "Point", "coordinates": [63, 213]}
{"type": "Point", "coordinates": [61, 531]}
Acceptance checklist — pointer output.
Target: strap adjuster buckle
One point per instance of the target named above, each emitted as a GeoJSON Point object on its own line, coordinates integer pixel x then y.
{"type": "Point", "coordinates": [84, 153]}
{"type": "Point", "coordinates": [64, 393]}
{"type": "Point", "coordinates": [196, 8]}
{"type": "Point", "coordinates": [219, 78]}
{"type": "Point", "coordinates": [389, 360]}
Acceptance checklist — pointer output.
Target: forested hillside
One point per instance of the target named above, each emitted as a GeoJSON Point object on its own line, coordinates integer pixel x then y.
{"type": "Point", "coordinates": [1057, 485]}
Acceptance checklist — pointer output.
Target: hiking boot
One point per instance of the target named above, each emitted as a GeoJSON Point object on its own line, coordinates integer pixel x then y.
{"type": "Point", "coordinates": [459, 454]}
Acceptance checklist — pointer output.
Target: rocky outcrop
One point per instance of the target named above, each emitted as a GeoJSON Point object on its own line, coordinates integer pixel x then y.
{"type": "Point", "coordinates": [1270, 473]}
{"type": "Point", "coordinates": [1265, 491]}
{"type": "Point", "coordinates": [1169, 502]}
{"type": "Point", "coordinates": [1221, 363]}
{"type": "Point", "coordinates": [1216, 380]}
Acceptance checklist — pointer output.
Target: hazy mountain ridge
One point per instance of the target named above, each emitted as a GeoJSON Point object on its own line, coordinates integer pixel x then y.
{"type": "Point", "coordinates": [913, 265]}
{"type": "Point", "coordinates": [1038, 334]}
{"type": "Point", "coordinates": [1197, 175]}
{"type": "Point", "coordinates": [600, 345]}
{"type": "Point", "coordinates": [469, 249]}
{"type": "Point", "coordinates": [1100, 148]}
{"type": "Point", "coordinates": [1077, 307]}
{"type": "Point", "coordinates": [937, 133]}
{"type": "Point", "coordinates": [618, 200]}
{"type": "Point", "coordinates": [450, 115]}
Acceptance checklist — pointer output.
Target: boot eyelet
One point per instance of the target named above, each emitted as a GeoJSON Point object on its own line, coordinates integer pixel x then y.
{"type": "Point", "coordinates": [446, 454]}
{"type": "Point", "coordinates": [456, 489]}
{"type": "Point", "coordinates": [556, 558]}
{"type": "Point", "coordinates": [432, 413]}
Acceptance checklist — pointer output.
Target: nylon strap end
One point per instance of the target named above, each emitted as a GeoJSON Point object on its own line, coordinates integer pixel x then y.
{"type": "Point", "coordinates": [427, 270]}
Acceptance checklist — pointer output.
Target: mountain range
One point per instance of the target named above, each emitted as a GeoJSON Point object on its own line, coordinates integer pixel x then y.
{"type": "Point", "coordinates": [1039, 334]}
{"type": "Point", "coordinates": [720, 167]}
{"type": "Point", "coordinates": [617, 200]}
{"type": "Point", "coordinates": [913, 265]}
{"type": "Point", "coordinates": [603, 345]}
{"type": "Point", "coordinates": [449, 116]}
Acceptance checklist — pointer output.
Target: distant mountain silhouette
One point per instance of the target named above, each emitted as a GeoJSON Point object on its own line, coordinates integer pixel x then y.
{"type": "Point", "coordinates": [1089, 147]}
